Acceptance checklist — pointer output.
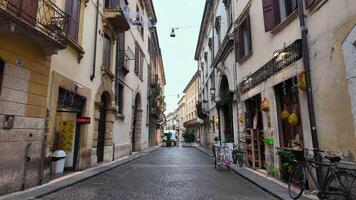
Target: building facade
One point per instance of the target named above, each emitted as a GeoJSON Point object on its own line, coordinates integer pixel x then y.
{"type": "Point", "coordinates": [216, 65]}
{"type": "Point", "coordinates": [191, 121]}
{"type": "Point", "coordinates": [91, 84]}
{"type": "Point", "coordinates": [269, 87]}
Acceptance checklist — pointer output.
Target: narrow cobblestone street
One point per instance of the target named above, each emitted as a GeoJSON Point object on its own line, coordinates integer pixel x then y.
{"type": "Point", "coordinates": [168, 173]}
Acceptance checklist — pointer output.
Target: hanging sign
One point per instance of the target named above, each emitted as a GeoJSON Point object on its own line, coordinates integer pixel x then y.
{"type": "Point", "coordinates": [83, 120]}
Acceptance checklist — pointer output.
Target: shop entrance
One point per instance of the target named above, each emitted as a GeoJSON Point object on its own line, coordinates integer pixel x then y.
{"type": "Point", "coordinates": [101, 129]}
{"type": "Point", "coordinates": [254, 135]}
{"type": "Point", "coordinates": [290, 128]}
{"type": "Point", "coordinates": [225, 105]}
{"type": "Point", "coordinates": [67, 131]}
{"type": "Point", "coordinates": [136, 125]}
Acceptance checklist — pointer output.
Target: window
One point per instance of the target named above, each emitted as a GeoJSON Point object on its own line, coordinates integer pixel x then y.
{"type": "Point", "coordinates": [2, 66]}
{"type": "Point", "coordinates": [107, 52]}
{"type": "Point", "coordinates": [243, 40]}
{"type": "Point", "coordinates": [218, 29]}
{"type": "Point", "coordinates": [73, 10]}
{"type": "Point", "coordinates": [276, 11]}
{"type": "Point", "coordinates": [139, 61]}
{"type": "Point", "coordinates": [139, 19]}
{"type": "Point", "coordinates": [228, 7]}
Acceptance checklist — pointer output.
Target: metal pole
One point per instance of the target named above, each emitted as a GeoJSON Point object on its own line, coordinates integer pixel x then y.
{"type": "Point", "coordinates": [92, 76]}
{"type": "Point", "coordinates": [219, 124]}
{"type": "Point", "coordinates": [310, 101]}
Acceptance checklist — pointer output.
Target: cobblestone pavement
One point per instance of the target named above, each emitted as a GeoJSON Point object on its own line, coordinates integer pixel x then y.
{"type": "Point", "coordinates": [168, 173]}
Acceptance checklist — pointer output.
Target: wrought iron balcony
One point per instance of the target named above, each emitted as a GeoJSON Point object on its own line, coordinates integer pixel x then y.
{"type": "Point", "coordinates": [38, 20]}
{"type": "Point", "coordinates": [114, 14]}
{"type": "Point", "coordinates": [200, 111]}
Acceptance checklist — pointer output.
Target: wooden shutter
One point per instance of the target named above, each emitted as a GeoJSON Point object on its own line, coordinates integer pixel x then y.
{"type": "Point", "coordinates": [248, 26]}
{"type": "Point", "coordinates": [311, 3]}
{"type": "Point", "coordinates": [121, 52]}
{"type": "Point", "coordinates": [73, 9]}
{"type": "Point", "coordinates": [137, 59]}
{"type": "Point", "coordinates": [141, 64]}
{"type": "Point", "coordinates": [237, 44]}
{"type": "Point", "coordinates": [270, 14]}
{"type": "Point", "coordinates": [107, 52]}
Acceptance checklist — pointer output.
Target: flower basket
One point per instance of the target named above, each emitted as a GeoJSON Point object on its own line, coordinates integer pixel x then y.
{"type": "Point", "coordinates": [268, 141]}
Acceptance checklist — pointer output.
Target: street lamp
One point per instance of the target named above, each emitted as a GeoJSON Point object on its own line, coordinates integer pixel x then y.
{"type": "Point", "coordinates": [212, 94]}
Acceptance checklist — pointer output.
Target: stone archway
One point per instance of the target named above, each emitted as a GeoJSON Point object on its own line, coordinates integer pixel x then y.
{"type": "Point", "coordinates": [225, 107]}
{"type": "Point", "coordinates": [104, 116]}
{"type": "Point", "coordinates": [136, 124]}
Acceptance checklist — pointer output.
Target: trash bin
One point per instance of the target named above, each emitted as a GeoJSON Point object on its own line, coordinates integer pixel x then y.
{"type": "Point", "coordinates": [58, 160]}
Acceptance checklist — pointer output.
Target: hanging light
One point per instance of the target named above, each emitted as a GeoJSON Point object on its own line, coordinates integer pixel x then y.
{"type": "Point", "coordinates": [173, 34]}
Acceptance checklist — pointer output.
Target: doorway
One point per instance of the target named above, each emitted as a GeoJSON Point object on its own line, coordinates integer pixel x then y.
{"type": "Point", "coordinates": [101, 129]}
{"type": "Point", "coordinates": [136, 125]}
{"type": "Point", "coordinates": [225, 105]}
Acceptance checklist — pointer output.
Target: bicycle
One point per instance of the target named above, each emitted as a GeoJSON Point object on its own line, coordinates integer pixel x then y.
{"type": "Point", "coordinates": [238, 155]}
{"type": "Point", "coordinates": [337, 185]}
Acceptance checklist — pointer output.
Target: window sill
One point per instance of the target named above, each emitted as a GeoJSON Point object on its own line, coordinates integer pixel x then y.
{"type": "Point", "coordinates": [107, 72]}
{"type": "Point", "coordinates": [246, 57]}
{"type": "Point", "coordinates": [285, 22]}
{"type": "Point", "coordinates": [77, 48]}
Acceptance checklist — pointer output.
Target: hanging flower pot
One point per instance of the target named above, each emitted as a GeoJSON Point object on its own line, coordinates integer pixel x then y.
{"type": "Point", "coordinates": [268, 141]}
{"type": "Point", "coordinates": [285, 114]}
{"type": "Point", "coordinates": [265, 104]}
{"type": "Point", "coordinates": [241, 119]}
{"type": "Point", "coordinates": [302, 84]}
{"type": "Point", "coordinates": [293, 118]}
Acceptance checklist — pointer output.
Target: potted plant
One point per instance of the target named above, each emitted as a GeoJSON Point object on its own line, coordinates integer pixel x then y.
{"type": "Point", "coordinates": [287, 163]}
{"type": "Point", "coordinates": [189, 138]}
{"type": "Point", "coordinates": [268, 141]}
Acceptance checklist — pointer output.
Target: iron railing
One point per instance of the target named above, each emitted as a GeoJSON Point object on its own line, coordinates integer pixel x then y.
{"type": "Point", "coordinates": [115, 4]}
{"type": "Point", "coordinates": [42, 15]}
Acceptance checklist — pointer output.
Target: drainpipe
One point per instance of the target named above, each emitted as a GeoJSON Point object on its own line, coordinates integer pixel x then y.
{"type": "Point", "coordinates": [92, 76]}
{"type": "Point", "coordinates": [306, 63]}
{"type": "Point", "coordinates": [26, 160]}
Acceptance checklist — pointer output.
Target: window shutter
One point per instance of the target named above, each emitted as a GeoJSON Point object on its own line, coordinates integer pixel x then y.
{"type": "Point", "coordinates": [141, 64]}
{"type": "Point", "coordinates": [237, 45]}
{"type": "Point", "coordinates": [121, 44]}
{"type": "Point", "coordinates": [137, 57]}
{"type": "Point", "coordinates": [73, 9]}
{"type": "Point", "coordinates": [270, 14]}
{"type": "Point", "coordinates": [311, 3]}
{"type": "Point", "coordinates": [248, 26]}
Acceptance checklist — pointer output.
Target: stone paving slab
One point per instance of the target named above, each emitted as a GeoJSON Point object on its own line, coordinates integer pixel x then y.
{"type": "Point", "coordinates": [71, 179]}
{"type": "Point", "coordinates": [264, 183]}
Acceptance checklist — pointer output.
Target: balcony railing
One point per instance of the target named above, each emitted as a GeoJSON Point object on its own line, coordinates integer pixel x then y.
{"type": "Point", "coordinates": [41, 15]}
{"type": "Point", "coordinates": [114, 11]}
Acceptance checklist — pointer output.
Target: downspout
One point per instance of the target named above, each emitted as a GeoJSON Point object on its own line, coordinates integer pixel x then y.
{"type": "Point", "coordinates": [92, 76]}
{"type": "Point", "coordinates": [26, 160]}
{"type": "Point", "coordinates": [310, 101]}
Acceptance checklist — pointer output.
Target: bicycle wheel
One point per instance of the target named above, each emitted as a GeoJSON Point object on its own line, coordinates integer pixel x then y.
{"type": "Point", "coordinates": [341, 187]}
{"type": "Point", "coordinates": [297, 182]}
{"type": "Point", "coordinates": [234, 157]}
{"type": "Point", "coordinates": [240, 159]}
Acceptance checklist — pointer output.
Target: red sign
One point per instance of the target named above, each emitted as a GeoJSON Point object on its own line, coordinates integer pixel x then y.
{"type": "Point", "coordinates": [83, 120]}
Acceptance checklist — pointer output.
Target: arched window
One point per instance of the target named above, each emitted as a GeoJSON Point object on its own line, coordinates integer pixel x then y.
{"type": "Point", "coordinates": [2, 66]}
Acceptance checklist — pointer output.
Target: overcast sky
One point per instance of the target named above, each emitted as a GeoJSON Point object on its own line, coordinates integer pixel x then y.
{"type": "Point", "coordinates": [178, 52]}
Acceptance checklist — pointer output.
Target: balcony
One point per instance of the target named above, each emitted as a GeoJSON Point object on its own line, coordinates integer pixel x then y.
{"type": "Point", "coordinates": [200, 111]}
{"type": "Point", "coordinates": [191, 123]}
{"type": "Point", "coordinates": [40, 21]}
{"type": "Point", "coordinates": [124, 57]}
{"type": "Point", "coordinates": [155, 112]}
{"type": "Point", "coordinates": [114, 14]}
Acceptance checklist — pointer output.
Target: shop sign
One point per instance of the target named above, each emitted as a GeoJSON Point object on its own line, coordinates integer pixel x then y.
{"type": "Point", "coordinates": [289, 55]}
{"type": "Point", "coordinates": [83, 120]}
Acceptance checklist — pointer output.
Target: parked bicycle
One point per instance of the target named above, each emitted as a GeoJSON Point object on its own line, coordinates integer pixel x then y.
{"type": "Point", "coordinates": [339, 183]}
{"type": "Point", "coordinates": [238, 154]}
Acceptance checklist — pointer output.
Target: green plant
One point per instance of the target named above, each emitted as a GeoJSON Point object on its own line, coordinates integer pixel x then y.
{"type": "Point", "coordinates": [271, 170]}
{"type": "Point", "coordinates": [287, 162]}
{"type": "Point", "coordinates": [268, 141]}
{"type": "Point", "coordinates": [189, 137]}
{"type": "Point", "coordinates": [229, 139]}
